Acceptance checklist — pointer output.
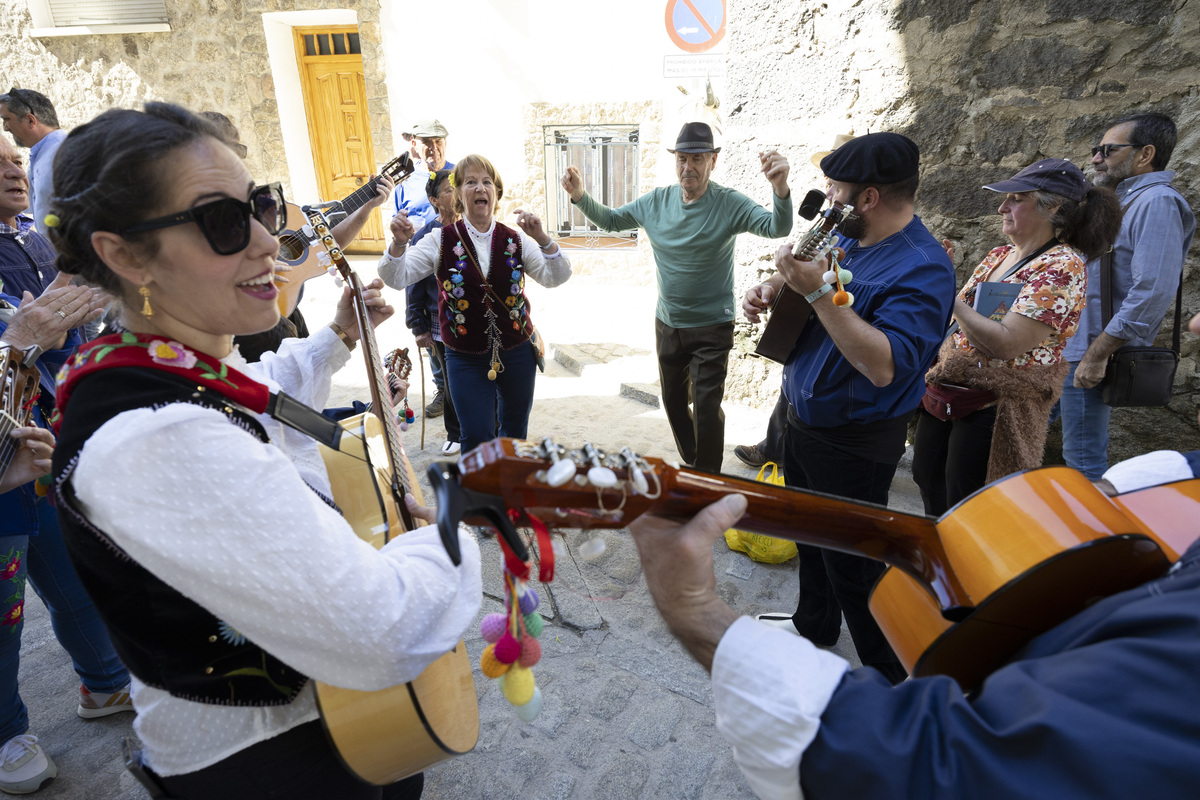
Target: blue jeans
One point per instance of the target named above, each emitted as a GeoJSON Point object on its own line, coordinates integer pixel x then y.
{"type": "Point", "coordinates": [1085, 428]}
{"type": "Point", "coordinates": [43, 558]}
{"type": "Point", "coordinates": [481, 403]}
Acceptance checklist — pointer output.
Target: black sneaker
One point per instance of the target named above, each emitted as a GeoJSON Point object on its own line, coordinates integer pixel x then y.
{"type": "Point", "coordinates": [436, 406]}
{"type": "Point", "coordinates": [750, 455]}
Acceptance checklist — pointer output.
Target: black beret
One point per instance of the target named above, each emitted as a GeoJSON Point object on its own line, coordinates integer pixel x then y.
{"type": "Point", "coordinates": [877, 158]}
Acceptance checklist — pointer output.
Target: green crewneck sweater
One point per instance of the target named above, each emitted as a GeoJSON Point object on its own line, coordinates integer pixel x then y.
{"type": "Point", "coordinates": [693, 245]}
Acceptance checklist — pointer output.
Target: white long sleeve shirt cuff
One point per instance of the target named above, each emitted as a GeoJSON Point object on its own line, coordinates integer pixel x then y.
{"type": "Point", "coordinates": [770, 688]}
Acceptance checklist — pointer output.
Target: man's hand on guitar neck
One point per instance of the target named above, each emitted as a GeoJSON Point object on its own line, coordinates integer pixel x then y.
{"type": "Point", "coordinates": [377, 307]}
{"type": "Point", "coordinates": [678, 563]}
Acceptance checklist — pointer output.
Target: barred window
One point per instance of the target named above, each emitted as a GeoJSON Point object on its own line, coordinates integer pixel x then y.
{"type": "Point", "coordinates": [607, 158]}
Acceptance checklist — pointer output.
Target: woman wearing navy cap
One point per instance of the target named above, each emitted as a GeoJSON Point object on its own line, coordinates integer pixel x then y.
{"type": "Point", "coordinates": [988, 398]}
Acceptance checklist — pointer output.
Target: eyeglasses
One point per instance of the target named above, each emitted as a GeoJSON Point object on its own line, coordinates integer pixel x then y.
{"type": "Point", "coordinates": [225, 223]}
{"type": "Point", "coordinates": [1105, 150]}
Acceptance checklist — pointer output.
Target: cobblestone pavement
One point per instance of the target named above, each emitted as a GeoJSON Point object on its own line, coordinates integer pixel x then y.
{"type": "Point", "coordinates": [627, 713]}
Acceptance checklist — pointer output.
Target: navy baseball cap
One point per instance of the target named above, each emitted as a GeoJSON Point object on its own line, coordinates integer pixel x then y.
{"type": "Point", "coordinates": [1055, 175]}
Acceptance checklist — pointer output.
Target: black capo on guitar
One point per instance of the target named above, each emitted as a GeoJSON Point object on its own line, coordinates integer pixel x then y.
{"type": "Point", "coordinates": [454, 503]}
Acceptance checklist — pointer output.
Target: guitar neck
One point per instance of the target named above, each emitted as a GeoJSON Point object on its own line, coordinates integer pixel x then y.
{"type": "Point", "coordinates": [519, 473]}
{"type": "Point", "coordinates": [381, 400]}
{"type": "Point", "coordinates": [360, 197]}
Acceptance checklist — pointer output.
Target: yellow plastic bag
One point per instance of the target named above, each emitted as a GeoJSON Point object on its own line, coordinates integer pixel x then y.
{"type": "Point", "coordinates": [762, 548]}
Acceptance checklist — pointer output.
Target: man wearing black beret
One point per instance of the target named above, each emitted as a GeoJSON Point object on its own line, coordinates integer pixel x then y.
{"type": "Point", "coordinates": [693, 227]}
{"type": "Point", "coordinates": [857, 372]}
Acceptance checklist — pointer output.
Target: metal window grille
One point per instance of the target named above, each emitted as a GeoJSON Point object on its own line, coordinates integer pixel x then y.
{"type": "Point", "coordinates": [607, 158]}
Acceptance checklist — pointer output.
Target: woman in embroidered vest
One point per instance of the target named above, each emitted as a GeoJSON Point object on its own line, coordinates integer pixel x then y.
{"type": "Point", "coordinates": [481, 266]}
{"type": "Point", "coordinates": [198, 524]}
{"type": "Point", "coordinates": [987, 405]}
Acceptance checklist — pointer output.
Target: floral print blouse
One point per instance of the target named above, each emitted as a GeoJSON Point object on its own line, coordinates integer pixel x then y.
{"type": "Point", "coordinates": [1055, 292]}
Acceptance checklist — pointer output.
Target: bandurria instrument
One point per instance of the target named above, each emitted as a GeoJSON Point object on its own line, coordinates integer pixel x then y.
{"type": "Point", "coordinates": [387, 735]}
{"type": "Point", "coordinates": [21, 386]}
{"type": "Point", "coordinates": [790, 311]}
{"type": "Point", "coordinates": [962, 593]}
{"type": "Point", "coordinates": [296, 240]}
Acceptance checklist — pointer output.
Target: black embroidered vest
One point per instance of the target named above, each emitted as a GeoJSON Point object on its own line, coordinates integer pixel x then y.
{"type": "Point", "coordinates": [166, 640]}
{"type": "Point", "coordinates": [463, 301]}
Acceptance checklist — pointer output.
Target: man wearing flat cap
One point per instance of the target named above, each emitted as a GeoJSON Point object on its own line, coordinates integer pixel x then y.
{"type": "Point", "coordinates": [427, 141]}
{"type": "Point", "coordinates": [692, 227]}
{"type": "Point", "coordinates": [857, 372]}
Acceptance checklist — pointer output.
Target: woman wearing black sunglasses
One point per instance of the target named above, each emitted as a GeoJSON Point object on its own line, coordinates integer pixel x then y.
{"type": "Point", "coordinates": [199, 524]}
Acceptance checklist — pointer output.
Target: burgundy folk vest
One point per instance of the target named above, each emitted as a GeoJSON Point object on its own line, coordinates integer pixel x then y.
{"type": "Point", "coordinates": [463, 299]}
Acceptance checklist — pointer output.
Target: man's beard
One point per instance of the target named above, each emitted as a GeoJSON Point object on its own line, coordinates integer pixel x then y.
{"type": "Point", "coordinates": [853, 227]}
{"type": "Point", "coordinates": [1111, 177]}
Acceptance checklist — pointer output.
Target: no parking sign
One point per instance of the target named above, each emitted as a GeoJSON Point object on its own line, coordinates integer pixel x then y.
{"type": "Point", "coordinates": [695, 25]}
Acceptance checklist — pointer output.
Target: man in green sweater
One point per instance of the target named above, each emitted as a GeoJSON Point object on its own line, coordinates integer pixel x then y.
{"type": "Point", "coordinates": [692, 228]}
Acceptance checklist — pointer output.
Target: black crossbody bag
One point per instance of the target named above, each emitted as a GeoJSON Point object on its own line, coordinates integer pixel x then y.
{"type": "Point", "coordinates": [1138, 376]}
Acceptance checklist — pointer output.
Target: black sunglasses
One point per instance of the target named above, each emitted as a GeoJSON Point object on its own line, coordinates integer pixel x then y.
{"type": "Point", "coordinates": [1105, 150]}
{"type": "Point", "coordinates": [225, 223]}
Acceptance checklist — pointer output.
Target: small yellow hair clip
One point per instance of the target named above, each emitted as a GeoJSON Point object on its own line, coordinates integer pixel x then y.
{"type": "Point", "coordinates": [52, 221]}
{"type": "Point", "coordinates": [450, 178]}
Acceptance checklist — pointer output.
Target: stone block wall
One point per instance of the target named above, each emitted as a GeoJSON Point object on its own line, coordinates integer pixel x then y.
{"type": "Point", "coordinates": [984, 89]}
{"type": "Point", "coordinates": [214, 58]}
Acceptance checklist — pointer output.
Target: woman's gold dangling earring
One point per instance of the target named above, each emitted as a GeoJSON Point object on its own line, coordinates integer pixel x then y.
{"type": "Point", "coordinates": [147, 311]}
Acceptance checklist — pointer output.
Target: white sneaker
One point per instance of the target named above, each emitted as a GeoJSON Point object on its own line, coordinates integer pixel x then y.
{"type": "Point", "coordinates": [24, 766]}
{"type": "Point", "coordinates": [450, 448]}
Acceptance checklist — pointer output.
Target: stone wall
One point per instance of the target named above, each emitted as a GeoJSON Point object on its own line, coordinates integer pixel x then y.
{"type": "Point", "coordinates": [214, 57]}
{"type": "Point", "coordinates": [984, 89]}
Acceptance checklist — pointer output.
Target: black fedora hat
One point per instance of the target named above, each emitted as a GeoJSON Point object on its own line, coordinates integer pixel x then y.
{"type": "Point", "coordinates": [694, 137]}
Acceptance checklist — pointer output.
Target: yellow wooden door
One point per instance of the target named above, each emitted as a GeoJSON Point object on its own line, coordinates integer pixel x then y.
{"type": "Point", "coordinates": [335, 103]}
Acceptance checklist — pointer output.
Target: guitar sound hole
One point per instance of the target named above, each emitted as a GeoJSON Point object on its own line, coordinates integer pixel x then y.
{"type": "Point", "coordinates": [290, 247]}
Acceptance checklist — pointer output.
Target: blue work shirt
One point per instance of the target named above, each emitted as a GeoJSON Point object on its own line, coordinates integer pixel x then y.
{"type": "Point", "coordinates": [410, 198]}
{"type": "Point", "coordinates": [1148, 256]}
{"type": "Point", "coordinates": [26, 259]}
{"type": "Point", "coordinates": [41, 175]}
{"type": "Point", "coordinates": [904, 286]}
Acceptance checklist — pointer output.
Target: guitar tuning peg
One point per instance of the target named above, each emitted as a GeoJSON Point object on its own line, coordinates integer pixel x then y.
{"type": "Point", "coordinates": [561, 470]}
{"type": "Point", "coordinates": [560, 473]}
{"type": "Point", "coordinates": [636, 476]}
{"type": "Point", "coordinates": [599, 476]}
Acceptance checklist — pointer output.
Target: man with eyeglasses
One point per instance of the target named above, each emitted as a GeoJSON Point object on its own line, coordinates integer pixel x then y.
{"type": "Point", "coordinates": [31, 119]}
{"type": "Point", "coordinates": [1147, 263]}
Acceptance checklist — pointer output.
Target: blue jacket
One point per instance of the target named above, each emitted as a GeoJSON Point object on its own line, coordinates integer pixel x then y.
{"type": "Point", "coordinates": [26, 260]}
{"type": "Point", "coordinates": [1105, 705]}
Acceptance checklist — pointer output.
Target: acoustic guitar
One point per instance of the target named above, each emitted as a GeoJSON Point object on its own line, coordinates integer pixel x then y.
{"type": "Point", "coordinates": [962, 594]}
{"type": "Point", "coordinates": [21, 386]}
{"type": "Point", "coordinates": [297, 239]}
{"type": "Point", "coordinates": [789, 310]}
{"type": "Point", "coordinates": [383, 736]}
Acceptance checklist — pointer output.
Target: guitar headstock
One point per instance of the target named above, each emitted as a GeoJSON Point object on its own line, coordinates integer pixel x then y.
{"type": "Point", "coordinates": [398, 363]}
{"type": "Point", "coordinates": [585, 487]}
{"type": "Point", "coordinates": [399, 168]}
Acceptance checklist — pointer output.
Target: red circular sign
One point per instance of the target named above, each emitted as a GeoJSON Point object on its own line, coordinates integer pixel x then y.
{"type": "Point", "coordinates": [696, 25]}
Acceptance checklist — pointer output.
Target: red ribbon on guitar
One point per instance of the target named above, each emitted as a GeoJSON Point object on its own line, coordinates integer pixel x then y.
{"type": "Point", "coordinates": [545, 549]}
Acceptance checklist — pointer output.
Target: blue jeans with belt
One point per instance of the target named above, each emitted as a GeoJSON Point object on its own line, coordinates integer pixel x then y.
{"type": "Point", "coordinates": [43, 558]}
{"type": "Point", "coordinates": [487, 409]}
